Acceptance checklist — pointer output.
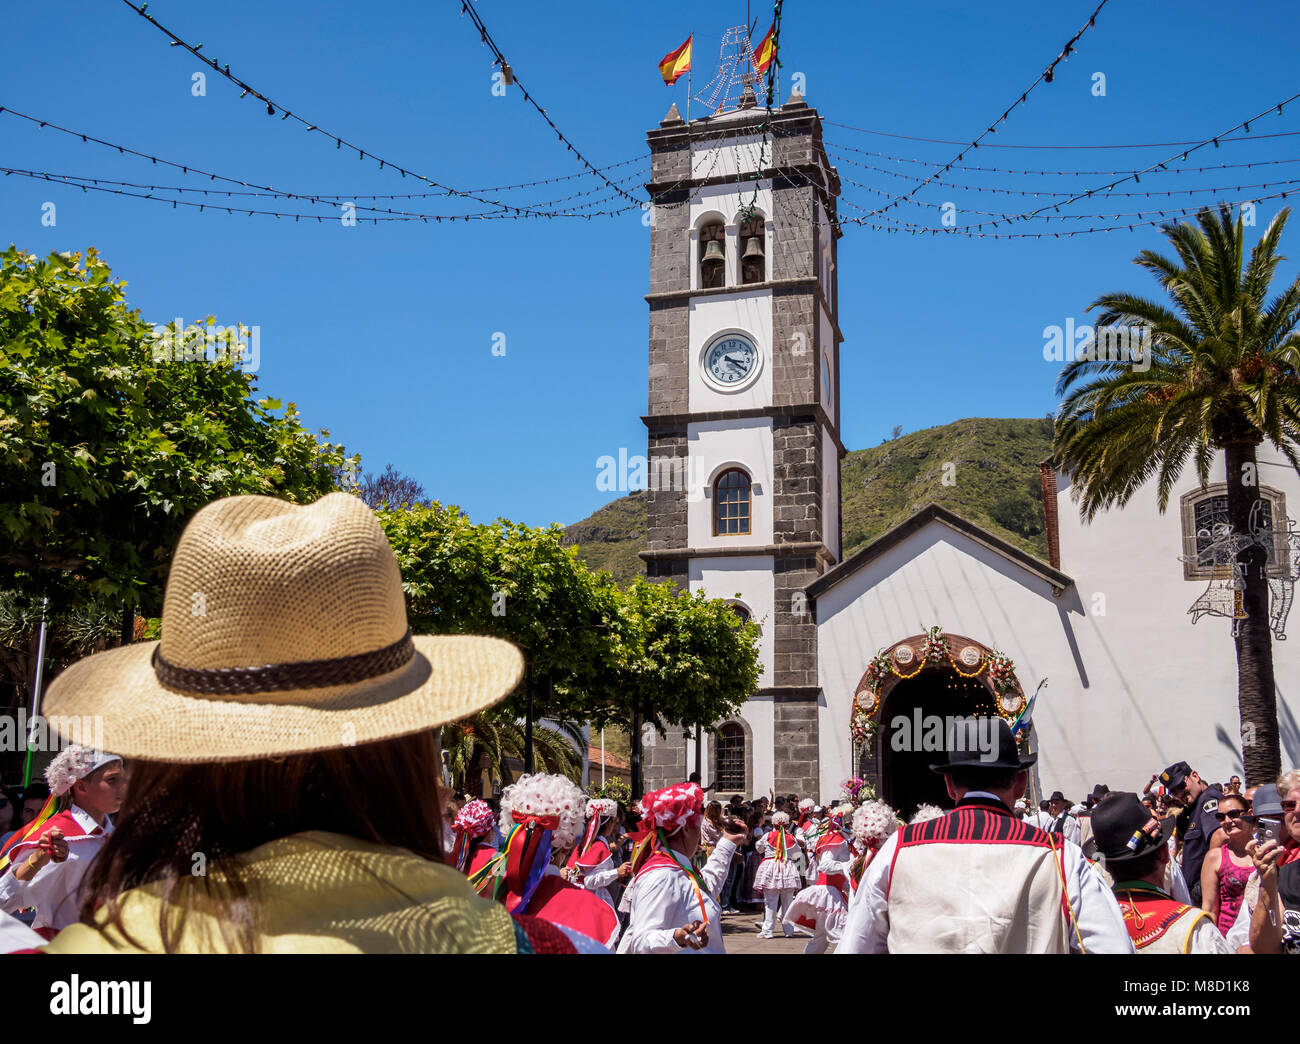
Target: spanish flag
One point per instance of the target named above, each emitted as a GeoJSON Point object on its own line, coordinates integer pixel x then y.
{"type": "Point", "coordinates": [676, 62]}
{"type": "Point", "coordinates": [765, 51]}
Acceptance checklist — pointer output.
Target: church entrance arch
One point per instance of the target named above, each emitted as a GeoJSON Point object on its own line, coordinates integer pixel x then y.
{"type": "Point", "coordinates": [904, 701]}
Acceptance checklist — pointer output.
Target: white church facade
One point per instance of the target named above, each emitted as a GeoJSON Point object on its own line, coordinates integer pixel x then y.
{"type": "Point", "coordinates": [744, 401]}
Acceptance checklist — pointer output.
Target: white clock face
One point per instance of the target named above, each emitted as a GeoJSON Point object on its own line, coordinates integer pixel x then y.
{"type": "Point", "coordinates": [731, 360]}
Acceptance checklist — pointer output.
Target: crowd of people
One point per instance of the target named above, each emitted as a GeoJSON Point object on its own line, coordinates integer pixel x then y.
{"type": "Point", "coordinates": [294, 805]}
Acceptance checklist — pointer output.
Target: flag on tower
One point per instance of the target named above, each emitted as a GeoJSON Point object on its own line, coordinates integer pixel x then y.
{"type": "Point", "coordinates": [765, 51]}
{"type": "Point", "coordinates": [676, 62]}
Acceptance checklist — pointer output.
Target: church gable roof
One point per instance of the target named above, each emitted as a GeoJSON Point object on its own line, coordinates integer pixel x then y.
{"type": "Point", "coordinates": [935, 513]}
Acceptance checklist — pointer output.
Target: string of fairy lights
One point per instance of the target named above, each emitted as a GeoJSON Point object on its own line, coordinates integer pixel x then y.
{"type": "Point", "coordinates": [615, 194]}
{"type": "Point", "coordinates": [1045, 76]}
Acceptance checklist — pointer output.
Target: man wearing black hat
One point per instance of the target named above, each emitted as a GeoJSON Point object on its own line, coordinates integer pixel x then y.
{"type": "Point", "coordinates": [1133, 844]}
{"type": "Point", "coordinates": [1058, 807]}
{"type": "Point", "coordinates": [978, 880]}
{"type": "Point", "coordinates": [1201, 802]}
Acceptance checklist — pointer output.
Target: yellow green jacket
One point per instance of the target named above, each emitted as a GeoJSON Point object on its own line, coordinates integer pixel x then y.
{"type": "Point", "coordinates": [318, 892]}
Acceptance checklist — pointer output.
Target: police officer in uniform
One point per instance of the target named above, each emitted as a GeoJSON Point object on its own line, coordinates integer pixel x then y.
{"type": "Point", "coordinates": [1201, 802]}
{"type": "Point", "coordinates": [1132, 843]}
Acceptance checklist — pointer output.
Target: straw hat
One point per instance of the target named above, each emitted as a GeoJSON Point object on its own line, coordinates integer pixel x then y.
{"type": "Point", "coordinates": [284, 632]}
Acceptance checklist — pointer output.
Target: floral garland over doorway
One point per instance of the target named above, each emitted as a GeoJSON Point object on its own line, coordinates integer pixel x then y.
{"type": "Point", "coordinates": [969, 662]}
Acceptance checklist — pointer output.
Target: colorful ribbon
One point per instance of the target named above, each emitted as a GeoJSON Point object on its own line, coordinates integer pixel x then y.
{"type": "Point", "coordinates": [47, 810]}
{"type": "Point", "coordinates": [696, 880]}
{"type": "Point", "coordinates": [588, 839]}
{"type": "Point", "coordinates": [524, 858]}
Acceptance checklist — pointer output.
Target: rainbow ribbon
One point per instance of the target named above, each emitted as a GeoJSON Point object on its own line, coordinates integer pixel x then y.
{"type": "Point", "coordinates": [47, 810]}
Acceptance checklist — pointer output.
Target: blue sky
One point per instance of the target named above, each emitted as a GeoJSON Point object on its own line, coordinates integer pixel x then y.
{"type": "Point", "coordinates": [384, 334]}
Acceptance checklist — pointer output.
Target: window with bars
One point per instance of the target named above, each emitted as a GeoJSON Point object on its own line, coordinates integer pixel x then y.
{"type": "Point", "coordinates": [731, 503]}
{"type": "Point", "coordinates": [1207, 555]}
{"type": "Point", "coordinates": [729, 758]}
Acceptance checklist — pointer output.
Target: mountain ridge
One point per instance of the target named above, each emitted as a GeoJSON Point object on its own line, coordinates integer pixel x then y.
{"type": "Point", "coordinates": [982, 468]}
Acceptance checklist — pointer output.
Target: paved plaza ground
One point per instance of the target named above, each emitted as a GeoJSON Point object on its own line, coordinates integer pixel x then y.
{"type": "Point", "coordinates": [740, 931]}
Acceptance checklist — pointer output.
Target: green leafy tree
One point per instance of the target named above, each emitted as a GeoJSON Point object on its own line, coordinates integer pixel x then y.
{"type": "Point", "coordinates": [1224, 378]}
{"type": "Point", "coordinates": [112, 434]}
{"type": "Point", "coordinates": [489, 741]}
{"type": "Point", "coordinates": [517, 582]}
{"type": "Point", "coordinates": [681, 658]}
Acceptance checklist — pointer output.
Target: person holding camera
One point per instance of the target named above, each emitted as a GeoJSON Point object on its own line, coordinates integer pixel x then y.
{"type": "Point", "coordinates": [674, 907]}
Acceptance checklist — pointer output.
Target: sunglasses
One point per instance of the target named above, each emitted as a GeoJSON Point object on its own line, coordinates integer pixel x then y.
{"type": "Point", "coordinates": [1235, 813]}
{"type": "Point", "coordinates": [1288, 806]}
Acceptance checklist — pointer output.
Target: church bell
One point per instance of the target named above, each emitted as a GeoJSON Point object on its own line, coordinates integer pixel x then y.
{"type": "Point", "coordinates": [754, 249]}
{"type": "Point", "coordinates": [713, 253]}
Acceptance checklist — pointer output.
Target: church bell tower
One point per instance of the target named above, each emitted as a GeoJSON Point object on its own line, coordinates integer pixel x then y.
{"type": "Point", "coordinates": [744, 415]}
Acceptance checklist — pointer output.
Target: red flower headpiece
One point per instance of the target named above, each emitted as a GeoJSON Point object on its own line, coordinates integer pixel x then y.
{"type": "Point", "coordinates": [674, 807]}
{"type": "Point", "coordinates": [475, 819]}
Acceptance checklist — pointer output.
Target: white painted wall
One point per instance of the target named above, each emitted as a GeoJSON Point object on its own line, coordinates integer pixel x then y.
{"type": "Point", "coordinates": [733, 156]}
{"type": "Point", "coordinates": [936, 576]}
{"type": "Point", "coordinates": [758, 713]}
{"type": "Point", "coordinates": [1132, 688]}
{"type": "Point", "coordinates": [748, 312]}
{"type": "Point", "coordinates": [714, 445]}
{"type": "Point", "coordinates": [1166, 689]}
{"type": "Point", "coordinates": [831, 493]}
{"type": "Point", "coordinates": [747, 580]}
{"type": "Point", "coordinates": [826, 340]}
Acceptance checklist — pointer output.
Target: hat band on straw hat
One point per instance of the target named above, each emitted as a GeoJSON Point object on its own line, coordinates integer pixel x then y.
{"type": "Point", "coordinates": [284, 677]}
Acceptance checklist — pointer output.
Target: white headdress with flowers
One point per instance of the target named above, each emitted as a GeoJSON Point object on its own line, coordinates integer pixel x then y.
{"type": "Point", "coordinates": [873, 822]}
{"type": "Point", "coordinates": [542, 794]}
{"type": "Point", "coordinates": [924, 812]}
{"type": "Point", "coordinates": [806, 805]}
{"type": "Point", "coordinates": [72, 763]}
{"type": "Point", "coordinates": [602, 807]}
{"type": "Point", "coordinates": [780, 820]}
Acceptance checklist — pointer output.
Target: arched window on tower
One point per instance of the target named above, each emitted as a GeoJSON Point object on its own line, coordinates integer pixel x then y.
{"type": "Point", "coordinates": [713, 257]}
{"type": "Point", "coordinates": [753, 259]}
{"type": "Point", "coordinates": [731, 503]}
{"type": "Point", "coordinates": [729, 759]}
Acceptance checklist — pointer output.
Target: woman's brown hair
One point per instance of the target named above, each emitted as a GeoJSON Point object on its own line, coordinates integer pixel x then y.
{"type": "Point", "coordinates": [382, 792]}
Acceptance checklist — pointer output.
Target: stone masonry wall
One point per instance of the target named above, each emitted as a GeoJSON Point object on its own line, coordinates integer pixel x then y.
{"type": "Point", "coordinates": [794, 347]}
{"type": "Point", "coordinates": [794, 640]}
{"type": "Point", "coordinates": [797, 492]}
{"type": "Point", "coordinates": [663, 759]}
{"type": "Point", "coordinates": [795, 751]}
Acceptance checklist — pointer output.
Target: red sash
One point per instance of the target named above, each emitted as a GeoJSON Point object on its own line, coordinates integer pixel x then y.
{"type": "Point", "coordinates": [72, 831]}
{"type": "Point", "coordinates": [657, 859]}
{"type": "Point", "coordinates": [593, 856]}
{"type": "Point", "coordinates": [776, 839]}
{"type": "Point", "coordinates": [559, 902]}
{"type": "Point", "coordinates": [482, 854]}
{"type": "Point", "coordinates": [837, 881]}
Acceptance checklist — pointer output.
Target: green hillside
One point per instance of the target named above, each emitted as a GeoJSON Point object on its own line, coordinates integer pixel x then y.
{"type": "Point", "coordinates": [993, 482]}
{"type": "Point", "coordinates": [611, 536]}
{"type": "Point", "coordinates": [994, 479]}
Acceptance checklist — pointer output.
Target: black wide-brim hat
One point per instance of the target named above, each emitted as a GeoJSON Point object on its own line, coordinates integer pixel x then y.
{"type": "Point", "coordinates": [1118, 818]}
{"type": "Point", "coordinates": [969, 748]}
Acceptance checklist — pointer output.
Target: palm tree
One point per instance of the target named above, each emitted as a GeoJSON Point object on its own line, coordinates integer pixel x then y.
{"type": "Point", "coordinates": [1224, 376]}
{"type": "Point", "coordinates": [489, 740]}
